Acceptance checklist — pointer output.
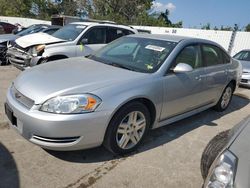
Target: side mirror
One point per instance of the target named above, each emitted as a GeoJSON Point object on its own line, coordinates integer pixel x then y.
{"type": "Point", "coordinates": [182, 67]}
{"type": "Point", "coordinates": [84, 41]}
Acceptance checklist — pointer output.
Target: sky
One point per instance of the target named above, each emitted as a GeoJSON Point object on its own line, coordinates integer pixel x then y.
{"type": "Point", "coordinates": [195, 13]}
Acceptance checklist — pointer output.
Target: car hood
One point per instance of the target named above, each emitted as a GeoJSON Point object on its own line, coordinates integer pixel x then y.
{"type": "Point", "coordinates": [245, 65]}
{"type": "Point", "coordinates": [7, 37]}
{"type": "Point", "coordinates": [36, 39]}
{"type": "Point", "coordinates": [70, 76]}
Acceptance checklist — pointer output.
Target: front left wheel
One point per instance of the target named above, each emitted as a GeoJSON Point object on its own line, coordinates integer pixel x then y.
{"type": "Point", "coordinates": [127, 128]}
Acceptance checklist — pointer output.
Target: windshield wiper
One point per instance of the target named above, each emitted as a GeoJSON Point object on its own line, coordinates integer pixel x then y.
{"type": "Point", "coordinates": [120, 66]}
{"type": "Point", "coordinates": [108, 62]}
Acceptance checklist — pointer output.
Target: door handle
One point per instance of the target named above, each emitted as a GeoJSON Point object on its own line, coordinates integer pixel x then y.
{"type": "Point", "coordinates": [198, 78]}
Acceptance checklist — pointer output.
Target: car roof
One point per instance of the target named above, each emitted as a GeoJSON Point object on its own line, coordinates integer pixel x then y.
{"type": "Point", "coordinates": [103, 24]}
{"type": "Point", "coordinates": [175, 38]}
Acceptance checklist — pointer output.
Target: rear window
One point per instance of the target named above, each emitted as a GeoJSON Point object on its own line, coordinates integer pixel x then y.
{"type": "Point", "coordinates": [212, 55]}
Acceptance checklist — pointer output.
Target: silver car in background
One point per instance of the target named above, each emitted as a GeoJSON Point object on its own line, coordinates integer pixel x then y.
{"type": "Point", "coordinates": [136, 83]}
{"type": "Point", "coordinates": [244, 58]}
{"type": "Point", "coordinates": [73, 40]}
{"type": "Point", "coordinates": [225, 160]}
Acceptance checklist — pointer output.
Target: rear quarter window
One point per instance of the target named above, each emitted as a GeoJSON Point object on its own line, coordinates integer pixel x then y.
{"type": "Point", "coordinates": [212, 55]}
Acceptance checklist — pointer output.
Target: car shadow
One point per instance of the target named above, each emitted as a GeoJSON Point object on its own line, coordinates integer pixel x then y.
{"type": "Point", "coordinates": [9, 176]}
{"type": "Point", "coordinates": [155, 137]}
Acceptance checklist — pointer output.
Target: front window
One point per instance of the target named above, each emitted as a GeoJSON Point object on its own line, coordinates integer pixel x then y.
{"type": "Point", "coordinates": [243, 55]}
{"type": "Point", "coordinates": [137, 54]}
{"type": "Point", "coordinates": [69, 32]}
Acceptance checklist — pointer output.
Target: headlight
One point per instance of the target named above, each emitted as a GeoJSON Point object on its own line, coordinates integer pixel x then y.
{"type": "Point", "coordinates": [37, 49]}
{"type": "Point", "coordinates": [71, 104]}
{"type": "Point", "coordinates": [223, 172]}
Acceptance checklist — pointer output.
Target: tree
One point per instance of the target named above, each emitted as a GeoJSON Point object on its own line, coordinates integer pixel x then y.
{"type": "Point", "coordinates": [206, 27]}
{"type": "Point", "coordinates": [121, 11]}
{"type": "Point", "coordinates": [16, 8]}
{"type": "Point", "coordinates": [164, 16]}
{"type": "Point", "coordinates": [247, 28]}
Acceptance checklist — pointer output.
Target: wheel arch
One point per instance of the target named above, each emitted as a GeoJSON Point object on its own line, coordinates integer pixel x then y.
{"type": "Point", "coordinates": [57, 57]}
{"type": "Point", "coordinates": [233, 82]}
{"type": "Point", "coordinates": [147, 102]}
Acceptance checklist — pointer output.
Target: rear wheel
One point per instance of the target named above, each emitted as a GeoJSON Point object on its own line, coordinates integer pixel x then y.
{"type": "Point", "coordinates": [127, 128]}
{"type": "Point", "coordinates": [225, 99]}
{"type": "Point", "coordinates": [212, 150]}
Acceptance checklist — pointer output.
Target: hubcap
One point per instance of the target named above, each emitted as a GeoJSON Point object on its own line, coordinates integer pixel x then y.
{"type": "Point", "coordinates": [226, 97]}
{"type": "Point", "coordinates": [131, 130]}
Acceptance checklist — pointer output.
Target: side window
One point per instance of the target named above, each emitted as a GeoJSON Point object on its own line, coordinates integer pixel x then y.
{"type": "Point", "coordinates": [96, 35]}
{"type": "Point", "coordinates": [127, 32]}
{"type": "Point", "coordinates": [212, 55]}
{"type": "Point", "coordinates": [115, 33]}
{"type": "Point", "coordinates": [190, 55]}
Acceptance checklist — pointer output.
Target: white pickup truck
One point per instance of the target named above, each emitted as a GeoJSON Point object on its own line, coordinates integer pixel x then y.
{"type": "Point", "coordinates": [74, 39]}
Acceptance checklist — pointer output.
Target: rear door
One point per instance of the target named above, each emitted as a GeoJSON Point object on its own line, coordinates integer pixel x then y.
{"type": "Point", "coordinates": [184, 92]}
{"type": "Point", "coordinates": [217, 67]}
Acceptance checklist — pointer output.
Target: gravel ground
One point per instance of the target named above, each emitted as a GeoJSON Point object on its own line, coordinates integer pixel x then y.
{"type": "Point", "coordinates": [169, 156]}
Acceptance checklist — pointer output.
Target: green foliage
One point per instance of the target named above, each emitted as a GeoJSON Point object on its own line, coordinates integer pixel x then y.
{"type": "Point", "coordinates": [247, 28]}
{"type": "Point", "coordinates": [206, 27]}
{"type": "Point", "coordinates": [132, 12]}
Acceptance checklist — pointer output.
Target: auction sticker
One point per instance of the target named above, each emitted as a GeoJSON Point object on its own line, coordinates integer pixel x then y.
{"type": "Point", "coordinates": [155, 48]}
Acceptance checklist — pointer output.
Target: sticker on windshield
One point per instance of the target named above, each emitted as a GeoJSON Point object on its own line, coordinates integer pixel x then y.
{"type": "Point", "coordinates": [155, 48]}
{"type": "Point", "coordinates": [80, 27]}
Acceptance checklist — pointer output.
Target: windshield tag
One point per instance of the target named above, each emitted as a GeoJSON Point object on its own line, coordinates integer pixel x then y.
{"type": "Point", "coordinates": [80, 27]}
{"type": "Point", "coordinates": [155, 48]}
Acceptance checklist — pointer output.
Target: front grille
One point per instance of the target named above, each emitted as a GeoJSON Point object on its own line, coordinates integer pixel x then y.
{"type": "Point", "coordinates": [244, 81]}
{"type": "Point", "coordinates": [17, 56]}
{"type": "Point", "coordinates": [27, 102]}
{"type": "Point", "coordinates": [61, 140]}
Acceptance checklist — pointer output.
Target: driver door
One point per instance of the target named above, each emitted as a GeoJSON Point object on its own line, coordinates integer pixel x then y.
{"type": "Point", "coordinates": [184, 92]}
{"type": "Point", "coordinates": [92, 40]}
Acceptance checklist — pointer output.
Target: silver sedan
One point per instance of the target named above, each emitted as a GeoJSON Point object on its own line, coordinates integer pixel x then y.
{"type": "Point", "coordinates": [114, 97]}
{"type": "Point", "coordinates": [244, 58]}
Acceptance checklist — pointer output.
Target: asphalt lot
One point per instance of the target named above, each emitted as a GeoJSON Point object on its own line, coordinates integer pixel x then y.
{"type": "Point", "coordinates": [169, 156]}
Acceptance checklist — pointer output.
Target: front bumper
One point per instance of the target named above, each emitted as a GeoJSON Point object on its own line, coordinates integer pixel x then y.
{"type": "Point", "coordinates": [58, 132]}
{"type": "Point", "coordinates": [245, 80]}
{"type": "Point", "coordinates": [21, 59]}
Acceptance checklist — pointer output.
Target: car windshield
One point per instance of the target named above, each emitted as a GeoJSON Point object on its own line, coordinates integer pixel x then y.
{"type": "Point", "coordinates": [31, 29]}
{"type": "Point", "coordinates": [137, 54]}
{"type": "Point", "coordinates": [243, 55]}
{"type": "Point", "coordinates": [69, 32]}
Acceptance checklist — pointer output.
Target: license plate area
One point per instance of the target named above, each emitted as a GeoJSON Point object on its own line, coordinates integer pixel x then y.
{"type": "Point", "coordinates": [10, 115]}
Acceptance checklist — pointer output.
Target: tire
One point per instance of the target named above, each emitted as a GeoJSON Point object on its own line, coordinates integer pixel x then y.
{"type": "Point", "coordinates": [42, 61]}
{"type": "Point", "coordinates": [124, 135]}
{"type": "Point", "coordinates": [225, 99]}
{"type": "Point", "coordinates": [212, 150]}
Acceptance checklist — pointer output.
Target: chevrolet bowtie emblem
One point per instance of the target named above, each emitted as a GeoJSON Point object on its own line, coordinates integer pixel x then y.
{"type": "Point", "coordinates": [17, 95]}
